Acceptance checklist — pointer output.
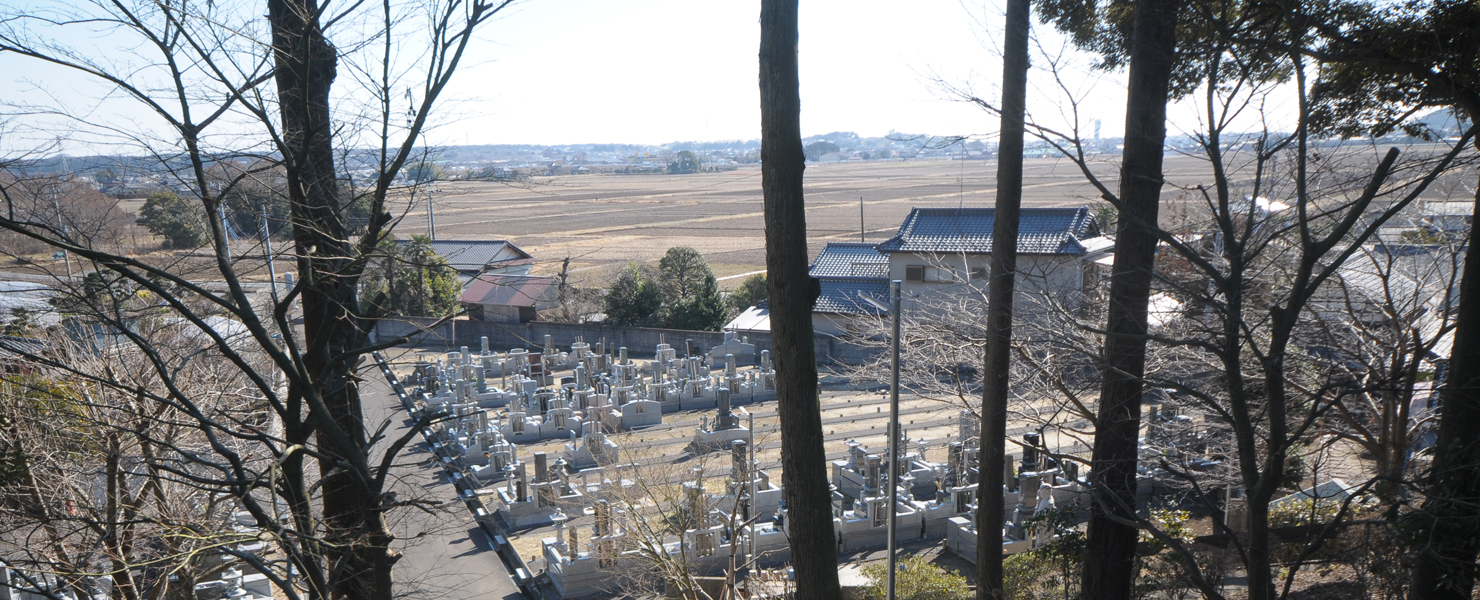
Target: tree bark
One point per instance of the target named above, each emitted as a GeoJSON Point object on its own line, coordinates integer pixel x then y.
{"type": "Point", "coordinates": [305, 70]}
{"type": "Point", "coordinates": [792, 295]}
{"type": "Point", "coordinates": [1109, 571]}
{"type": "Point", "coordinates": [1448, 532]}
{"type": "Point", "coordinates": [1000, 290]}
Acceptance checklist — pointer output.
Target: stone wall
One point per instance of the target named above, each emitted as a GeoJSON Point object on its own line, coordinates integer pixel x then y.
{"type": "Point", "coordinates": [639, 341]}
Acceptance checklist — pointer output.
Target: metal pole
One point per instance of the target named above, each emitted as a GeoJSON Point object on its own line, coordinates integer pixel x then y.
{"type": "Point", "coordinates": [267, 247]}
{"type": "Point", "coordinates": [893, 427]}
{"type": "Point", "coordinates": [61, 224]}
{"type": "Point", "coordinates": [861, 229]}
{"type": "Point", "coordinates": [750, 474]}
{"type": "Point", "coordinates": [431, 216]}
{"type": "Point", "coordinates": [225, 233]}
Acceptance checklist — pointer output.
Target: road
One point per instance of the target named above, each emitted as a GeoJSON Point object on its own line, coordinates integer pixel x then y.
{"type": "Point", "coordinates": [445, 554]}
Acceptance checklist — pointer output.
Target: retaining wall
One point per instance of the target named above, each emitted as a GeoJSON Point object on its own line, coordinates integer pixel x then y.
{"type": "Point", "coordinates": [639, 341]}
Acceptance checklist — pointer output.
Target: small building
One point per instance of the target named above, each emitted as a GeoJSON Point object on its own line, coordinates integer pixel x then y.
{"type": "Point", "coordinates": [506, 298]}
{"type": "Point", "coordinates": [846, 272]}
{"type": "Point", "coordinates": [472, 258]}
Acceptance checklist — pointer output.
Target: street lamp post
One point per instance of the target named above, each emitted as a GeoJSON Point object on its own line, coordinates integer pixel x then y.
{"type": "Point", "coordinates": [893, 310]}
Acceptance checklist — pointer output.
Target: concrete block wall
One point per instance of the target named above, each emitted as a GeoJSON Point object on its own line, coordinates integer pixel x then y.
{"type": "Point", "coordinates": [639, 341]}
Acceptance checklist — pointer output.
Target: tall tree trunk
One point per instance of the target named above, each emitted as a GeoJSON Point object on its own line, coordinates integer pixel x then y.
{"type": "Point", "coordinates": [1448, 537]}
{"type": "Point", "coordinates": [993, 452]}
{"type": "Point", "coordinates": [359, 555]}
{"type": "Point", "coordinates": [792, 295]}
{"type": "Point", "coordinates": [1109, 571]}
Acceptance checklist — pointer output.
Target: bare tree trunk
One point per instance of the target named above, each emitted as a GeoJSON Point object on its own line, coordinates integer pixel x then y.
{"type": "Point", "coordinates": [306, 68]}
{"type": "Point", "coordinates": [1448, 537]}
{"type": "Point", "coordinates": [792, 295]}
{"type": "Point", "coordinates": [1109, 571]}
{"type": "Point", "coordinates": [1000, 289]}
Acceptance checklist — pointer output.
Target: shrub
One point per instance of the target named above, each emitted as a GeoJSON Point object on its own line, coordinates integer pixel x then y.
{"type": "Point", "coordinates": [916, 579]}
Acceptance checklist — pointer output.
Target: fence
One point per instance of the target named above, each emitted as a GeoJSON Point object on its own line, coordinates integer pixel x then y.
{"type": "Point", "coordinates": [640, 341]}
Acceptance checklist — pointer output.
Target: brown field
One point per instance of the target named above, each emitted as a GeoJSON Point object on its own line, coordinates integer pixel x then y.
{"type": "Point", "coordinates": [604, 220]}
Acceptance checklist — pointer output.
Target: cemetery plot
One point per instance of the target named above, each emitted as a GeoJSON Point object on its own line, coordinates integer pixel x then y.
{"type": "Point", "coordinates": [574, 454]}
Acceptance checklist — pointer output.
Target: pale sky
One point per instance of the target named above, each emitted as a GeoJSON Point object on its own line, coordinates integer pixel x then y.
{"type": "Point", "coordinates": [654, 71]}
{"type": "Point", "coordinates": [657, 71]}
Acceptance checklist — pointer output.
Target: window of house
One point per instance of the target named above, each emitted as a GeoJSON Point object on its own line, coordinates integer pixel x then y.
{"type": "Point", "coordinates": [914, 274]}
{"type": "Point", "coordinates": [978, 273]}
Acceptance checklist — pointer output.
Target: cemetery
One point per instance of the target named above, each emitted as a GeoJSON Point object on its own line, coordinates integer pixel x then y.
{"type": "Point", "coordinates": [548, 448]}
{"type": "Point", "coordinates": [531, 439]}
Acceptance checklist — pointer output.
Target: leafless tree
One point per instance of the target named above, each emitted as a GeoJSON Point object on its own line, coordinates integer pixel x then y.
{"type": "Point", "coordinates": [223, 83]}
{"type": "Point", "coordinates": [1278, 219]}
{"type": "Point", "coordinates": [100, 492]}
{"type": "Point", "coordinates": [652, 500]}
{"type": "Point", "coordinates": [1383, 323]}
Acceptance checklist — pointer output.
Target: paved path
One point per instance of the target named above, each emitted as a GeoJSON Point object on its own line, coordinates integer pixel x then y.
{"type": "Point", "coordinates": [445, 554]}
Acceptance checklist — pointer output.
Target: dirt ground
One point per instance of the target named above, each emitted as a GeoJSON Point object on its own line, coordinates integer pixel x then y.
{"type": "Point", "coordinates": [600, 221]}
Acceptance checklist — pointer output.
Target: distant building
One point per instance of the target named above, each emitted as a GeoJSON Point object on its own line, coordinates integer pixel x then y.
{"type": "Point", "coordinates": [471, 258]}
{"type": "Point", "coordinates": [506, 298]}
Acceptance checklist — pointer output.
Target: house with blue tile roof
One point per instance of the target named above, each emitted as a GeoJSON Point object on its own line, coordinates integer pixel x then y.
{"type": "Point", "coordinates": [848, 271]}
{"type": "Point", "coordinates": [938, 251]}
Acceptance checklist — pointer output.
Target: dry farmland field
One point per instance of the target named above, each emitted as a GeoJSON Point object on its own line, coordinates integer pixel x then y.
{"type": "Point", "coordinates": [600, 221]}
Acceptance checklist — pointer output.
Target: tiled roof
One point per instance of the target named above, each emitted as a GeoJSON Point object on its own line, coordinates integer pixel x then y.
{"type": "Point", "coordinates": [508, 290]}
{"type": "Point", "coordinates": [841, 295]}
{"type": "Point", "coordinates": [473, 255]}
{"type": "Point", "coordinates": [946, 230]}
{"type": "Point", "coordinates": [850, 259]}
{"type": "Point", "coordinates": [15, 347]}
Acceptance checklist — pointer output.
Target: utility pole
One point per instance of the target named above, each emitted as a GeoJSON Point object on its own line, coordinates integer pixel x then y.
{"type": "Point", "coordinates": [750, 474]}
{"type": "Point", "coordinates": [431, 216]}
{"type": "Point", "coordinates": [893, 429]}
{"type": "Point", "coordinates": [225, 233]}
{"type": "Point", "coordinates": [861, 230]}
{"type": "Point", "coordinates": [61, 224]}
{"type": "Point", "coordinates": [894, 316]}
{"type": "Point", "coordinates": [267, 248]}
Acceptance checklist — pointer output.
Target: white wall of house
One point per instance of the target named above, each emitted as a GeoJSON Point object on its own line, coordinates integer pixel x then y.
{"type": "Point", "coordinates": [944, 273]}
{"type": "Point", "coordinates": [835, 324]}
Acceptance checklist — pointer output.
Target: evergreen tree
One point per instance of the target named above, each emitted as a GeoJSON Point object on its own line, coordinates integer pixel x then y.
{"type": "Point", "coordinates": [181, 224]}
{"type": "Point", "coordinates": [703, 311]}
{"type": "Point", "coordinates": [411, 279]}
{"type": "Point", "coordinates": [750, 292]}
{"type": "Point", "coordinates": [691, 298]}
{"type": "Point", "coordinates": [684, 162]}
{"type": "Point", "coordinates": [634, 299]}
